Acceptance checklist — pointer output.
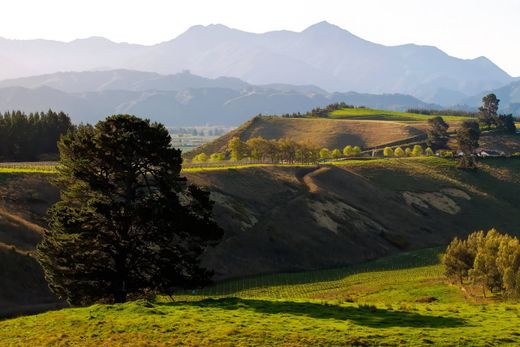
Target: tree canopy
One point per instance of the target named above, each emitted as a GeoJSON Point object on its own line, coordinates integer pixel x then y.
{"type": "Point", "coordinates": [437, 133]}
{"type": "Point", "coordinates": [468, 141]}
{"type": "Point", "coordinates": [127, 222]}
{"type": "Point", "coordinates": [489, 259]}
{"type": "Point", "coordinates": [31, 137]}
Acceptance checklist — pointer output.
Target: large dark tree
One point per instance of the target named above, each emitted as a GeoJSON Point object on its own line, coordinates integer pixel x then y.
{"type": "Point", "coordinates": [468, 136]}
{"type": "Point", "coordinates": [487, 115]}
{"type": "Point", "coordinates": [127, 222]}
{"type": "Point", "coordinates": [437, 133]}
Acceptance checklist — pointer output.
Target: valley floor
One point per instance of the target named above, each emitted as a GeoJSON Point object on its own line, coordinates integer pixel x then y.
{"type": "Point", "coordinates": [399, 300]}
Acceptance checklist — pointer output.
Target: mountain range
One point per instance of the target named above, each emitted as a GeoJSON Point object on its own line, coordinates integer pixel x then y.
{"type": "Point", "coordinates": [182, 99]}
{"type": "Point", "coordinates": [322, 55]}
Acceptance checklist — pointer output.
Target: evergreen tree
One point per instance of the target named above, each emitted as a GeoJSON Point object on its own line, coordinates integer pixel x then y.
{"type": "Point", "coordinates": [437, 133]}
{"type": "Point", "coordinates": [127, 222]}
{"type": "Point", "coordinates": [487, 115]}
{"type": "Point", "coordinates": [468, 136]}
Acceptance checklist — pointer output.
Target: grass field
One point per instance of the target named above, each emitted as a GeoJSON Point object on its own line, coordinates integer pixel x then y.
{"type": "Point", "coordinates": [399, 300]}
{"type": "Point", "coordinates": [383, 115]}
{"type": "Point", "coordinates": [29, 167]}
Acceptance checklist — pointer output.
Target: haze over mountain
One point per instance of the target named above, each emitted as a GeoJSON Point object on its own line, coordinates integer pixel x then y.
{"type": "Point", "coordinates": [323, 55]}
{"type": "Point", "coordinates": [176, 100]}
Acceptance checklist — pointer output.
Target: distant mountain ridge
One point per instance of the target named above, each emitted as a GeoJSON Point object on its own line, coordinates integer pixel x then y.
{"type": "Point", "coordinates": [323, 55]}
{"type": "Point", "coordinates": [176, 100]}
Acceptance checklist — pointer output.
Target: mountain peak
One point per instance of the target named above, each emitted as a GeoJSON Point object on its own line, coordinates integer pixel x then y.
{"type": "Point", "coordinates": [323, 26]}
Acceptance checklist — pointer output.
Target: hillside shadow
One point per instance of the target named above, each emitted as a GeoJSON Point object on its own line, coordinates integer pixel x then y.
{"type": "Point", "coordinates": [374, 318]}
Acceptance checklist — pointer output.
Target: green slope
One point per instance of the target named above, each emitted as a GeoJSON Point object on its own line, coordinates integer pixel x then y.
{"type": "Point", "coordinates": [373, 304]}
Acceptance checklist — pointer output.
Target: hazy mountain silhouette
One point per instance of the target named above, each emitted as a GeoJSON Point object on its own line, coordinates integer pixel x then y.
{"type": "Point", "coordinates": [181, 99]}
{"type": "Point", "coordinates": [323, 55]}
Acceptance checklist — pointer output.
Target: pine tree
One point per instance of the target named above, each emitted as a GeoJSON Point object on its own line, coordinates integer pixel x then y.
{"type": "Point", "coordinates": [127, 222]}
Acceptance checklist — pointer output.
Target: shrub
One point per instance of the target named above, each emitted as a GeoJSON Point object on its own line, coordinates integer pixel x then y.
{"type": "Point", "coordinates": [388, 152]}
{"type": "Point", "coordinates": [408, 152]}
{"type": "Point", "coordinates": [429, 152]}
{"type": "Point", "coordinates": [336, 153]}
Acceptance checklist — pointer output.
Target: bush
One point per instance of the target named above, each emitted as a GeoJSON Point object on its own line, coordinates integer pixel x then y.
{"type": "Point", "coordinates": [336, 153]}
{"type": "Point", "coordinates": [429, 152]}
{"type": "Point", "coordinates": [408, 152]}
{"type": "Point", "coordinates": [388, 152]}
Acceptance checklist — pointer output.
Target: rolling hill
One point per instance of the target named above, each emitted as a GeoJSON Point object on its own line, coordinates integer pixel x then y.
{"type": "Point", "coordinates": [175, 100]}
{"type": "Point", "coordinates": [323, 55]}
{"type": "Point", "coordinates": [291, 218]}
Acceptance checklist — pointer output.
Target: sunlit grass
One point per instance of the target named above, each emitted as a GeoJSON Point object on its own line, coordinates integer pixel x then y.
{"type": "Point", "coordinates": [366, 113]}
{"type": "Point", "coordinates": [377, 303]}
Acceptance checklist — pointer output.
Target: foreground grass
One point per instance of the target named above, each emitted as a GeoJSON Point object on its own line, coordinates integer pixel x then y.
{"type": "Point", "coordinates": [366, 113]}
{"type": "Point", "coordinates": [378, 303]}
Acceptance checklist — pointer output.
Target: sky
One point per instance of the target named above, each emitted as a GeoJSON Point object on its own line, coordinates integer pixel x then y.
{"type": "Point", "coordinates": [462, 28]}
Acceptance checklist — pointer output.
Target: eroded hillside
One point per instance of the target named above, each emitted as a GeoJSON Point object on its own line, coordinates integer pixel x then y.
{"type": "Point", "coordinates": [290, 218]}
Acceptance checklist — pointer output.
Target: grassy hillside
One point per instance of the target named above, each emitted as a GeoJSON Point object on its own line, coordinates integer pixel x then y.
{"type": "Point", "coordinates": [401, 300]}
{"type": "Point", "coordinates": [301, 218]}
{"type": "Point", "coordinates": [364, 127]}
{"type": "Point", "coordinates": [296, 218]}
{"type": "Point", "coordinates": [367, 113]}
{"type": "Point", "coordinates": [25, 199]}
{"type": "Point", "coordinates": [323, 132]}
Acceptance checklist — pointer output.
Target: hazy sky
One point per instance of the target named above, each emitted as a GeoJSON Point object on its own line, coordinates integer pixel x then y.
{"type": "Point", "coordinates": [462, 28]}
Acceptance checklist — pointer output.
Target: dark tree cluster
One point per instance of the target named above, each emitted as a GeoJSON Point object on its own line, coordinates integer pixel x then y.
{"type": "Point", "coordinates": [468, 136]}
{"type": "Point", "coordinates": [275, 151]}
{"type": "Point", "coordinates": [127, 222]}
{"type": "Point", "coordinates": [491, 260]}
{"type": "Point", "coordinates": [437, 133]}
{"type": "Point", "coordinates": [320, 112]}
{"type": "Point", "coordinates": [488, 116]}
{"type": "Point", "coordinates": [31, 137]}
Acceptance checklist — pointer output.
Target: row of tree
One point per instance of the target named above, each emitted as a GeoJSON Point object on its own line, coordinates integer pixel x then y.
{"type": "Point", "coordinates": [30, 137]}
{"type": "Point", "coordinates": [489, 259]}
{"type": "Point", "coordinates": [277, 151]}
{"type": "Point", "coordinates": [417, 151]}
